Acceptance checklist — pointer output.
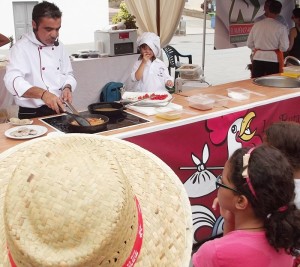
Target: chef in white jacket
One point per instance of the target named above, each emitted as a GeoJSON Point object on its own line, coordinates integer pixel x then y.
{"type": "Point", "coordinates": [149, 73]}
{"type": "Point", "coordinates": [39, 73]}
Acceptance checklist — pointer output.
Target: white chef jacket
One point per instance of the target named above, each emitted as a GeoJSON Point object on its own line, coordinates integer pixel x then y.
{"type": "Point", "coordinates": [268, 34]}
{"type": "Point", "coordinates": [279, 18]}
{"type": "Point", "coordinates": [297, 191]}
{"type": "Point", "coordinates": [31, 63]}
{"type": "Point", "coordinates": [154, 78]}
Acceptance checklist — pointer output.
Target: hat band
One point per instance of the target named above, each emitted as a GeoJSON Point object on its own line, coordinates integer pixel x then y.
{"type": "Point", "coordinates": [135, 252]}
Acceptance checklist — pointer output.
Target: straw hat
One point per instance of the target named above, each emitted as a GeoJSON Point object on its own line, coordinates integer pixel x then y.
{"type": "Point", "coordinates": [87, 200]}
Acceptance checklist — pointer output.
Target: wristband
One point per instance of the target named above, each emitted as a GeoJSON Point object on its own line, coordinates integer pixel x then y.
{"type": "Point", "coordinates": [43, 94]}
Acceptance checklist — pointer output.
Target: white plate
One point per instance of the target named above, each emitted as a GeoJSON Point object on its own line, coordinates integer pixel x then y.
{"type": "Point", "coordinates": [134, 96]}
{"type": "Point", "coordinates": [40, 131]}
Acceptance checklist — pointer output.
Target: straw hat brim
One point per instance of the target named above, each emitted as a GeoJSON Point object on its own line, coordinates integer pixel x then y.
{"type": "Point", "coordinates": [165, 205]}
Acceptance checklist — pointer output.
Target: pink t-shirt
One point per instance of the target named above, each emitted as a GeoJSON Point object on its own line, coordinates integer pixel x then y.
{"type": "Point", "coordinates": [241, 249]}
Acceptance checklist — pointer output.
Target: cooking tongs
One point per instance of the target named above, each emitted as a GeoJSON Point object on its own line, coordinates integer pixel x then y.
{"type": "Point", "coordinates": [75, 115]}
{"type": "Point", "coordinates": [71, 107]}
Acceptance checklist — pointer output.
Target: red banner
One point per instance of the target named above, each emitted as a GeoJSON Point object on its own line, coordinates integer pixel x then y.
{"type": "Point", "coordinates": [198, 151]}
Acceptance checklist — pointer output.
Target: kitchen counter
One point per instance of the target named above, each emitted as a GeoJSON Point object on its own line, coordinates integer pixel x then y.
{"type": "Point", "coordinates": [197, 145]}
{"type": "Point", "coordinates": [190, 115]}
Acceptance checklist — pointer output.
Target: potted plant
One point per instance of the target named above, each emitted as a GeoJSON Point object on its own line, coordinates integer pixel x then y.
{"type": "Point", "coordinates": [124, 16]}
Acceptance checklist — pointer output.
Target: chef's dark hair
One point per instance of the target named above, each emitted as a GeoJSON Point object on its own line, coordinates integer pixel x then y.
{"type": "Point", "coordinates": [45, 9]}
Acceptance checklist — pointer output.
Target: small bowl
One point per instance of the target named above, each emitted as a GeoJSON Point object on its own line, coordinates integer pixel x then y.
{"type": "Point", "coordinates": [238, 93]}
{"type": "Point", "coordinates": [201, 102]}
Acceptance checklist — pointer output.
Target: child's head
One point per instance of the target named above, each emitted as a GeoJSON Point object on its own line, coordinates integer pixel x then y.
{"type": "Point", "coordinates": [296, 13]}
{"type": "Point", "coordinates": [149, 40]}
{"type": "Point", "coordinates": [285, 136]}
{"type": "Point", "coordinates": [266, 181]}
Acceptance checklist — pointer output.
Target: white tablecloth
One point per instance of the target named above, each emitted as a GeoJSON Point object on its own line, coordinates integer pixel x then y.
{"type": "Point", "coordinates": [6, 99]}
{"type": "Point", "coordinates": [91, 76]}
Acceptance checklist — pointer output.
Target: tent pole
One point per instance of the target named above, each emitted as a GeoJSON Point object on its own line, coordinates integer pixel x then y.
{"type": "Point", "coordinates": [204, 35]}
{"type": "Point", "coordinates": [158, 17]}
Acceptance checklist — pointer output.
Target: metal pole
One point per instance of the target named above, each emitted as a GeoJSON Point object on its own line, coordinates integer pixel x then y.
{"type": "Point", "coordinates": [204, 35]}
{"type": "Point", "coordinates": [158, 17]}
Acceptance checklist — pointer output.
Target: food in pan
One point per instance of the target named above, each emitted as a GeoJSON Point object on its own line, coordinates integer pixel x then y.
{"type": "Point", "coordinates": [23, 131]}
{"type": "Point", "coordinates": [92, 121]}
{"type": "Point", "coordinates": [105, 109]}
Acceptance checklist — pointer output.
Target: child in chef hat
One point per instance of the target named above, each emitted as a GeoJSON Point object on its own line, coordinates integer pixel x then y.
{"type": "Point", "coordinates": [150, 73]}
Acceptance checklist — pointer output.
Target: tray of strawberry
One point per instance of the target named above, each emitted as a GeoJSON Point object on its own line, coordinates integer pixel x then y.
{"type": "Point", "coordinates": [150, 98]}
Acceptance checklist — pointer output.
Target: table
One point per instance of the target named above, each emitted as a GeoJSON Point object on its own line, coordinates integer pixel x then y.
{"type": "Point", "coordinates": [197, 146]}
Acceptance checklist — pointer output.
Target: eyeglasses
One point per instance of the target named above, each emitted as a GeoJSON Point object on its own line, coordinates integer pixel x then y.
{"type": "Point", "coordinates": [220, 184]}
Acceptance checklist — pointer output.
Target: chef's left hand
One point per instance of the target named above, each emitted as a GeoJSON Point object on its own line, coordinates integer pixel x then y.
{"type": "Point", "coordinates": [169, 83]}
{"type": "Point", "coordinates": [67, 94]}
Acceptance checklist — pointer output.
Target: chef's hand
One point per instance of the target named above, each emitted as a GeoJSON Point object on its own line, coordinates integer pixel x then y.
{"type": "Point", "coordinates": [169, 83]}
{"type": "Point", "coordinates": [67, 94]}
{"type": "Point", "coordinates": [53, 102]}
{"type": "Point", "coordinates": [146, 57]}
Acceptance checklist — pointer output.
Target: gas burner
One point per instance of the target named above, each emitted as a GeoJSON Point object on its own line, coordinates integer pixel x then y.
{"type": "Point", "coordinates": [59, 122]}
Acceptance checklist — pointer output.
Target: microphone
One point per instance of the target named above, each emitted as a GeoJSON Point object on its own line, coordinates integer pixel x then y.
{"type": "Point", "coordinates": [56, 43]}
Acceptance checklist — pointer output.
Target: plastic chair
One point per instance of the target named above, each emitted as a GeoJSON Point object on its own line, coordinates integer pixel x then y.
{"type": "Point", "coordinates": [174, 59]}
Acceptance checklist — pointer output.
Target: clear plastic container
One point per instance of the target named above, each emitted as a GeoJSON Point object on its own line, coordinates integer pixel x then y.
{"type": "Point", "coordinates": [220, 100]}
{"type": "Point", "coordinates": [168, 113]}
{"type": "Point", "coordinates": [201, 102]}
{"type": "Point", "coordinates": [190, 71]}
{"type": "Point", "coordinates": [291, 71]}
{"type": "Point", "coordinates": [238, 93]}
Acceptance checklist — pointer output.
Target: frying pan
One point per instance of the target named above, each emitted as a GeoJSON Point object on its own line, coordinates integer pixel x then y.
{"type": "Point", "coordinates": [109, 109]}
{"type": "Point", "coordinates": [88, 129]}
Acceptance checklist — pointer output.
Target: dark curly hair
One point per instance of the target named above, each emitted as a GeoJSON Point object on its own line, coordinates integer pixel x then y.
{"type": "Point", "coordinates": [285, 135]}
{"type": "Point", "coordinates": [271, 176]}
{"type": "Point", "coordinates": [45, 9]}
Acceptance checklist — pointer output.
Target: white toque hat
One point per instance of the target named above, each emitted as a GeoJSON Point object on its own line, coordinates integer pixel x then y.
{"type": "Point", "coordinates": [152, 40]}
{"type": "Point", "coordinates": [88, 200]}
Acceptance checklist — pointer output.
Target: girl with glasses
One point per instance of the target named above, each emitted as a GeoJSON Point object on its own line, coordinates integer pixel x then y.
{"type": "Point", "coordinates": [261, 222]}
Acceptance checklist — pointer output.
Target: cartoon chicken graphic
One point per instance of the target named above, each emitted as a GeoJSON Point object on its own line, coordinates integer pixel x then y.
{"type": "Point", "coordinates": [233, 130]}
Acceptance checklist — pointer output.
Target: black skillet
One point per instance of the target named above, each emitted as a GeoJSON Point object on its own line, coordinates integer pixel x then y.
{"type": "Point", "coordinates": [109, 109]}
{"type": "Point", "coordinates": [91, 128]}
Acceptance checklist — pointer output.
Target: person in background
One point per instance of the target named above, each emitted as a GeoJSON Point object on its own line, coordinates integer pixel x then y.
{"type": "Point", "coordinates": [294, 36]}
{"type": "Point", "coordinates": [39, 73]}
{"type": "Point", "coordinates": [268, 39]}
{"type": "Point", "coordinates": [279, 18]}
{"type": "Point", "coordinates": [150, 73]}
{"type": "Point", "coordinates": [261, 221]}
{"type": "Point", "coordinates": [285, 135]}
{"type": "Point", "coordinates": [3, 40]}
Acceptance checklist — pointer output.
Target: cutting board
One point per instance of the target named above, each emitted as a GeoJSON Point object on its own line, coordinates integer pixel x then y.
{"type": "Point", "coordinates": [152, 110]}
